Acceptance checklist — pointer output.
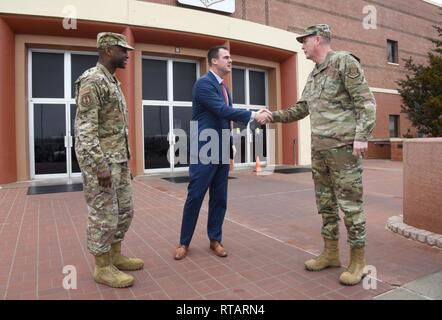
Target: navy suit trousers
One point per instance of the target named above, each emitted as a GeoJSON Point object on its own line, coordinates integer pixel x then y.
{"type": "Point", "coordinates": [202, 177]}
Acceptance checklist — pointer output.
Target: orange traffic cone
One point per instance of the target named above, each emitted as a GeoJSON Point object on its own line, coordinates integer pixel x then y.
{"type": "Point", "coordinates": [257, 165]}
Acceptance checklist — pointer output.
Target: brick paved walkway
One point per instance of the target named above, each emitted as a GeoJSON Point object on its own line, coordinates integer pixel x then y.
{"type": "Point", "coordinates": [271, 227]}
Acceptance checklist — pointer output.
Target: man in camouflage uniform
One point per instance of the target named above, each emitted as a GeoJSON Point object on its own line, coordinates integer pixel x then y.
{"type": "Point", "coordinates": [342, 113]}
{"type": "Point", "coordinates": [102, 149]}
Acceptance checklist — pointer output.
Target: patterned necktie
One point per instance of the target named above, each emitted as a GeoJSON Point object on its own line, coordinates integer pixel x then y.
{"type": "Point", "coordinates": [223, 89]}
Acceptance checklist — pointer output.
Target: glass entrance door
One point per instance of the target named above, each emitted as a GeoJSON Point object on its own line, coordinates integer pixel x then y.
{"type": "Point", "coordinates": [167, 106]}
{"type": "Point", "coordinates": [249, 92]}
{"type": "Point", "coordinates": [52, 74]}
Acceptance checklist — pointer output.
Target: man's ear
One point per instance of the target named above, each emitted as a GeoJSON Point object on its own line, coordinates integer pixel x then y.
{"type": "Point", "coordinates": [318, 39]}
{"type": "Point", "coordinates": [108, 51]}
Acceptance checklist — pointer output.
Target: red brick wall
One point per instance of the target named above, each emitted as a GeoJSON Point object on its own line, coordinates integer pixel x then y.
{"type": "Point", "coordinates": [397, 148]}
{"type": "Point", "coordinates": [378, 150]}
{"type": "Point", "coordinates": [408, 22]}
{"type": "Point", "coordinates": [390, 104]}
{"type": "Point", "coordinates": [423, 184]}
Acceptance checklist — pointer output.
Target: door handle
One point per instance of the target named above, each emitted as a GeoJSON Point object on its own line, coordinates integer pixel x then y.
{"type": "Point", "coordinates": [68, 142]}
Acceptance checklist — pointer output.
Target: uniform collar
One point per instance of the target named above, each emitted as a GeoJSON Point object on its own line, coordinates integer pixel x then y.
{"type": "Point", "coordinates": [107, 73]}
{"type": "Point", "coordinates": [319, 67]}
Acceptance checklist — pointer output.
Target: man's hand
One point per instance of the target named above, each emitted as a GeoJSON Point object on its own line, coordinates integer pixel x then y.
{"type": "Point", "coordinates": [264, 116]}
{"type": "Point", "coordinates": [359, 148]}
{"type": "Point", "coordinates": [104, 179]}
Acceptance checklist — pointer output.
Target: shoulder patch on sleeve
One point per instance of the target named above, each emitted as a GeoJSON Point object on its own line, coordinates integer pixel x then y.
{"type": "Point", "coordinates": [86, 99]}
{"type": "Point", "coordinates": [353, 72]}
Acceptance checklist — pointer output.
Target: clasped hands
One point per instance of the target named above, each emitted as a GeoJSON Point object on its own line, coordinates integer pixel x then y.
{"type": "Point", "coordinates": [264, 116]}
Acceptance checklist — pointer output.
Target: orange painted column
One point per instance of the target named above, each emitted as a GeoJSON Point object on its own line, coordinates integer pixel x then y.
{"type": "Point", "coordinates": [8, 165]}
{"type": "Point", "coordinates": [127, 79]}
{"type": "Point", "coordinates": [290, 139]}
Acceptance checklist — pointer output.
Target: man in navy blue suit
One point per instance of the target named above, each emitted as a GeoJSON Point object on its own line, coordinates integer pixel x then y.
{"type": "Point", "coordinates": [213, 111]}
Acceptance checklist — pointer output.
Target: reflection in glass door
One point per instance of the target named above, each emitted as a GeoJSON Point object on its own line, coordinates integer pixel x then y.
{"type": "Point", "coordinates": [156, 141]}
{"type": "Point", "coordinates": [240, 138]}
{"type": "Point", "coordinates": [52, 140]}
{"type": "Point", "coordinates": [181, 120]}
{"type": "Point", "coordinates": [258, 141]}
{"type": "Point", "coordinates": [49, 139]}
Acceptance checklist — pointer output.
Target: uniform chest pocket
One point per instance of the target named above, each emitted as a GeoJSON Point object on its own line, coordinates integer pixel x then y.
{"type": "Point", "coordinates": [330, 86]}
{"type": "Point", "coordinates": [111, 102]}
{"type": "Point", "coordinates": [312, 90]}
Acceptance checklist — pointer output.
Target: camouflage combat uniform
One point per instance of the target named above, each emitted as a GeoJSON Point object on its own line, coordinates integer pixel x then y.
{"type": "Point", "coordinates": [101, 133]}
{"type": "Point", "coordinates": [342, 110]}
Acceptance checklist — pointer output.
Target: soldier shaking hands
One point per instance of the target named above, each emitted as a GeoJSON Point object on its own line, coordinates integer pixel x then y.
{"type": "Point", "coordinates": [342, 113]}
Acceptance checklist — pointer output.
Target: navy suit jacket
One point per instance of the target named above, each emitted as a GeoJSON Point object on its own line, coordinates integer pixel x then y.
{"type": "Point", "coordinates": [210, 110]}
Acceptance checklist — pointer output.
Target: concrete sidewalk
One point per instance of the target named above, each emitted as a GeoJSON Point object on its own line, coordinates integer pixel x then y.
{"type": "Point", "coordinates": [271, 228]}
{"type": "Point", "coordinates": [425, 288]}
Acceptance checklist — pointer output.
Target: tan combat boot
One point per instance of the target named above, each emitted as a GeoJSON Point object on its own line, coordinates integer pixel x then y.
{"type": "Point", "coordinates": [328, 258]}
{"type": "Point", "coordinates": [106, 273]}
{"type": "Point", "coordinates": [122, 262]}
{"type": "Point", "coordinates": [355, 271]}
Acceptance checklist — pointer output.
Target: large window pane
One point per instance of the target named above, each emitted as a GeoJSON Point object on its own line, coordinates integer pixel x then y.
{"type": "Point", "coordinates": [49, 133]}
{"type": "Point", "coordinates": [79, 64]}
{"type": "Point", "coordinates": [394, 126]}
{"type": "Point", "coordinates": [257, 88]}
{"type": "Point", "coordinates": [239, 92]}
{"type": "Point", "coordinates": [181, 120]}
{"type": "Point", "coordinates": [154, 79]}
{"type": "Point", "coordinates": [156, 129]}
{"type": "Point", "coordinates": [47, 75]}
{"type": "Point", "coordinates": [184, 77]}
{"type": "Point", "coordinates": [392, 51]}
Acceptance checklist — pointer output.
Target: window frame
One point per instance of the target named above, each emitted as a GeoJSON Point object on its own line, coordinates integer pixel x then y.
{"type": "Point", "coordinates": [396, 124]}
{"type": "Point", "coordinates": [395, 49]}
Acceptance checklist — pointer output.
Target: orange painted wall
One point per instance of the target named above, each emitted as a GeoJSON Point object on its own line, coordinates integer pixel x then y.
{"type": "Point", "coordinates": [288, 99]}
{"type": "Point", "coordinates": [8, 167]}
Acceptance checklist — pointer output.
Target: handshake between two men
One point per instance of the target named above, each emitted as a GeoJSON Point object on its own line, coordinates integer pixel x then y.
{"type": "Point", "coordinates": [264, 116]}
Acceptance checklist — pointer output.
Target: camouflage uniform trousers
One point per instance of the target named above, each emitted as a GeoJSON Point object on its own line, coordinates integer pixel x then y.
{"type": "Point", "coordinates": [337, 175]}
{"type": "Point", "coordinates": [110, 209]}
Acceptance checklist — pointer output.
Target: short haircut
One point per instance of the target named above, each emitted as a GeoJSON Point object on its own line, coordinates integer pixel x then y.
{"type": "Point", "coordinates": [213, 53]}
